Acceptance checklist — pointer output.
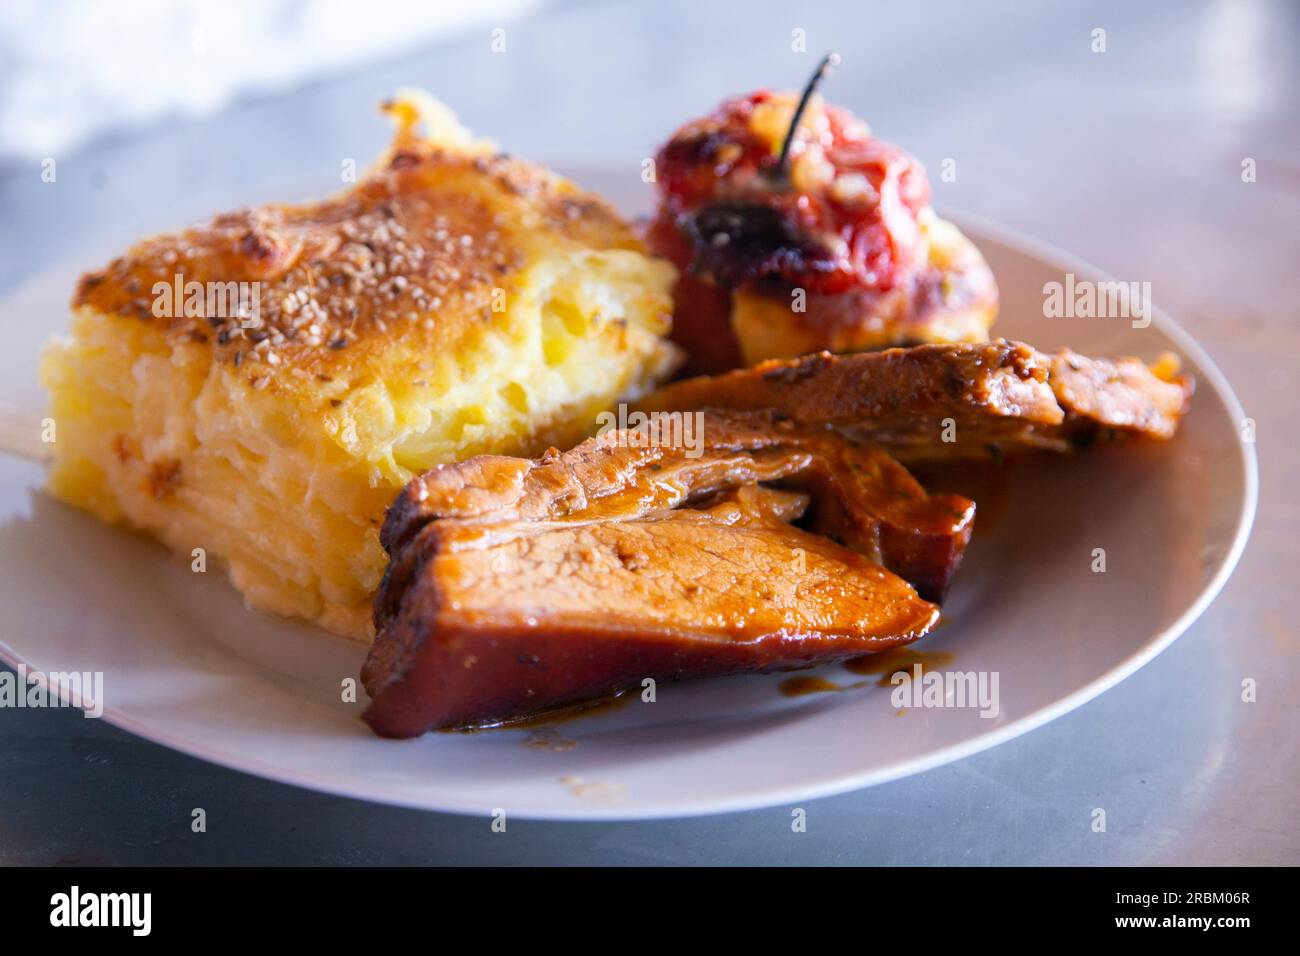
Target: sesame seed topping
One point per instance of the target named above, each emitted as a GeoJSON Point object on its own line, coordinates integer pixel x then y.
{"type": "Point", "coordinates": [401, 253]}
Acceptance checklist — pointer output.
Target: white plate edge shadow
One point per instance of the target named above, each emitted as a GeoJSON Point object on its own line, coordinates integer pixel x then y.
{"type": "Point", "coordinates": [979, 228]}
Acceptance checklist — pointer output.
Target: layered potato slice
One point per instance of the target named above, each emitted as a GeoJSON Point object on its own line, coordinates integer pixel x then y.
{"type": "Point", "coordinates": [263, 385]}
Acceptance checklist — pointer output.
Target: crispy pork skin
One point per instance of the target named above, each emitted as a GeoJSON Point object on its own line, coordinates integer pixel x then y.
{"type": "Point", "coordinates": [516, 585]}
{"type": "Point", "coordinates": [954, 401]}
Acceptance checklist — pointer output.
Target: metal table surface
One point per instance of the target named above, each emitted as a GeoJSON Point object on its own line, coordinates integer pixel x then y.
{"type": "Point", "coordinates": [1130, 158]}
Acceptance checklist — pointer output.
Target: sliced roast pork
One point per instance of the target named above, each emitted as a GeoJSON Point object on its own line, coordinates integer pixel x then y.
{"type": "Point", "coordinates": [954, 401]}
{"type": "Point", "coordinates": [516, 585]}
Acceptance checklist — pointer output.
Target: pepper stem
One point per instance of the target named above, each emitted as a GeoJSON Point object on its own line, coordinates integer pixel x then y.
{"type": "Point", "coordinates": [828, 61]}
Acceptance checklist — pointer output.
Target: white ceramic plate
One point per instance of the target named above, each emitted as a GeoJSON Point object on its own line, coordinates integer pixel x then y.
{"type": "Point", "coordinates": [188, 666]}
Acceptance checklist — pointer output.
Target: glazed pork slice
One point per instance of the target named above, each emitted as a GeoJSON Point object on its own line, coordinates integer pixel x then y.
{"type": "Point", "coordinates": [861, 497]}
{"type": "Point", "coordinates": [517, 585]}
{"type": "Point", "coordinates": [954, 401]}
{"type": "Point", "coordinates": [1121, 396]}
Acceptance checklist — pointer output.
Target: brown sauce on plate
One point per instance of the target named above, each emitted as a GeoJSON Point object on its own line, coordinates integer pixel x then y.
{"type": "Point", "coordinates": [799, 686]}
{"type": "Point", "coordinates": [886, 664]}
{"type": "Point", "coordinates": [889, 663]}
{"type": "Point", "coordinates": [551, 716]}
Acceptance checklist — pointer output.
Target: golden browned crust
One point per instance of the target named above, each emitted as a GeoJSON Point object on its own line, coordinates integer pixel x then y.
{"type": "Point", "coordinates": [263, 384]}
{"type": "Point", "coordinates": [411, 254]}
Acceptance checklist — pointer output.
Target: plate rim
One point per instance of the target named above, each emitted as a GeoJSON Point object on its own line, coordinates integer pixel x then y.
{"type": "Point", "coordinates": [981, 228]}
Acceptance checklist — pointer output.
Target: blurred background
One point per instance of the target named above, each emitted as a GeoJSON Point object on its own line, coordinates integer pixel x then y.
{"type": "Point", "coordinates": [77, 70]}
{"type": "Point", "coordinates": [148, 100]}
{"type": "Point", "coordinates": [1121, 132]}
